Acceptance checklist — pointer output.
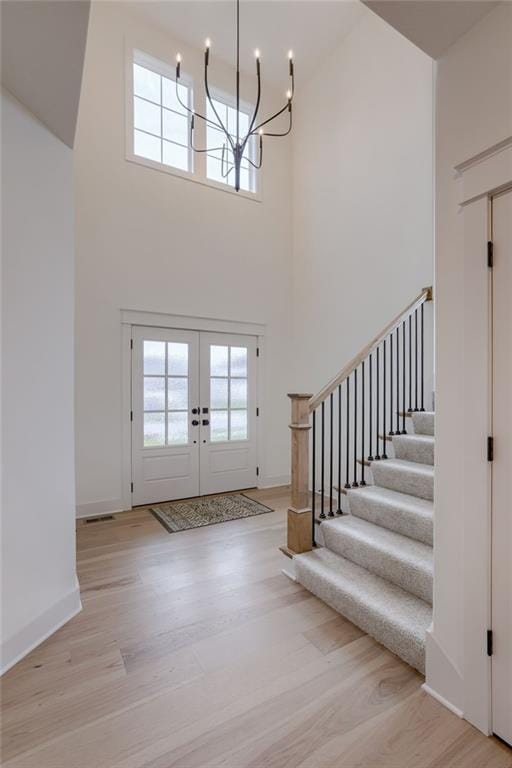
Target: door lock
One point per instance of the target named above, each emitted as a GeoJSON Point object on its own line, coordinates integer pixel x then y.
{"type": "Point", "coordinates": [205, 422]}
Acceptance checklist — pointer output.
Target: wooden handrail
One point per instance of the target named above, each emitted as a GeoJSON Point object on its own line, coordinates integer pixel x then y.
{"type": "Point", "coordinates": [316, 400]}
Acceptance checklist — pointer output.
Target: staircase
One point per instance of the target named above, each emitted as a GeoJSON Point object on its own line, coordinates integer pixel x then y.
{"type": "Point", "coordinates": [375, 567]}
{"type": "Point", "coordinates": [361, 516]}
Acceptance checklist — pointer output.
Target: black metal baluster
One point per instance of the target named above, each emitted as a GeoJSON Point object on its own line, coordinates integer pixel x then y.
{"type": "Point", "coordinates": [355, 484]}
{"type": "Point", "coordinates": [331, 448]}
{"type": "Point", "coordinates": [416, 360]}
{"type": "Point", "coordinates": [347, 447]}
{"type": "Point", "coordinates": [313, 477]}
{"type": "Point", "coordinates": [370, 415]}
{"type": "Point", "coordinates": [363, 458]}
{"type": "Point", "coordinates": [322, 463]}
{"type": "Point", "coordinates": [377, 422]}
{"type": "Point", "coordinates": [410, 363]}
{"type": "Point", "coordinates": [391, 384]}
{"type": "Point", "coordinates": [403, 379]}
{"type": "Point", "coordinates": [384, 454]}
{"type": "Point", "coordinates": [397, 431]}
{"type": "Point", "coordinates": [339, 510]}
{"type": "Point", "coordinates": [422, 362]}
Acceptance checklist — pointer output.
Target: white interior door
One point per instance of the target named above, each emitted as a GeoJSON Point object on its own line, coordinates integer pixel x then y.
{"type": "Point", "coordinates": [501, 470]}
{"type": "Point", "coordinates": [228, 412]}
{"type": "Point", "coordinates": [165, 419]}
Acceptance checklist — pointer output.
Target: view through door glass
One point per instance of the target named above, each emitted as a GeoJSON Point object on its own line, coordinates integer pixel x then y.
{"type": "Point", "coordinates": [166, 384]}
{"type": "Point", "coordinates": [228, 393]}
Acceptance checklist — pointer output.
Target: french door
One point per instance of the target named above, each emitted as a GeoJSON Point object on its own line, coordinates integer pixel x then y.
{"type": "Point", "coordinates": [193, 413]}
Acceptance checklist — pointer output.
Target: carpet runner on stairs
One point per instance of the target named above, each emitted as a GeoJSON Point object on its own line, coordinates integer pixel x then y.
{"type": "Point", "coordinates": [375, 567]}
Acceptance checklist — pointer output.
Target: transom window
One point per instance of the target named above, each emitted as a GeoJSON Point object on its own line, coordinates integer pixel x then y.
{"type": "Point", "coordinates": [228, 393]}
{"type": "Point", "coordinates": [166, 383]}
{"type": "Point", "coordinates": [216, 139]}
{"type": "Point", "coordinates": [160, 123]}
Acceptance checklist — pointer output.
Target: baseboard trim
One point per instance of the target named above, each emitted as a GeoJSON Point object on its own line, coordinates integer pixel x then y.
{"type": "Point", "coordinates": [40, 629]}
{"type": "Point", "coordinates": [275, 481]}
{"type": "Point", "coordinates": [442, 700]}
{"type": "Point", "coordinates": [99, 508]}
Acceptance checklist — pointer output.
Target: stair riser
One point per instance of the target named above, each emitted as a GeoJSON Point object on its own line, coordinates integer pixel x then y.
{"type": "Point", "coordinates": [418, 527]}
{"type": "Point", "coordinates": [423, 423]}
{"type": "Point", "coordinates": [416, 580]}
{"type": "Point", "coordinates": [403, 481]}
{"type": "Point", "coordinates": [396, 638]}
{"type": "Point", "coordinates": [419, 452]}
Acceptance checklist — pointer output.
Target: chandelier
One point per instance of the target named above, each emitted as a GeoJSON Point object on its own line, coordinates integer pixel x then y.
{"type": "Point", "coordinates": [235, 146]}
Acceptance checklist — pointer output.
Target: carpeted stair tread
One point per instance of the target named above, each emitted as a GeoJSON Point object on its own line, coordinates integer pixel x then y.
{"type": "Point", "coordinates": [418, 448]}
{"type": "Point", "coordinates": [392, 616]}
{"type": "Point", "coordinates": [396, 511]}
{"type": "Point", "coordinates": [396, 558]}
{"type": "Point", "coordinates": [404, 476]}
{"type": "Point", "coordinates": [423, 422]}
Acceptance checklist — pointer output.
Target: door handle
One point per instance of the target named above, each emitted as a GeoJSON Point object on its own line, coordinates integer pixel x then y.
{"type": "Point", "coordinates": [205, 422]}
{"type": "Point", "coordinates": [195, 422]}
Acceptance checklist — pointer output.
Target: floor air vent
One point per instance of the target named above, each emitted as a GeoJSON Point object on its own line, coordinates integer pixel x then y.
{"type": "Point", "coordinates": [99, 519]}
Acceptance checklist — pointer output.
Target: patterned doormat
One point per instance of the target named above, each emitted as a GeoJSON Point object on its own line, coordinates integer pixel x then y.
{"type": "Point", "coordinates": [208, 510]}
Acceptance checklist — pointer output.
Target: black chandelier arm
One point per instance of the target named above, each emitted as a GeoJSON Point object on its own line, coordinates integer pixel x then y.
{"type": "Point", "coordinates": [207, 90]}
{"type": "Point", "coordinates": [208, 149]}
{"type": "Point", "coordinates": [193, 112]}
{"type": "Point", "coordinates": [256, 108]}
{"type": "Point", "coordinates": [260, 161]}
{"type": "Point", "coordinates": [285, 132]}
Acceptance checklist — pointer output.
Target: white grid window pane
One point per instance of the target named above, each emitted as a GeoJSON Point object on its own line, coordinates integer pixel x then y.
{"type": "Point", "coordinates": [177, 428]}
{"type": "Point", "coordinates": [178, 358]}
{"type": "Point", "coordinates": [154, 430]}
{"type": "Point", "coordinates": [175, 127]}
{"type": "Point", "coordinates": [169, 98]}
{"type": "Point", "coordinates": [214, 171]}
{"type": "Point", "coordinates": [154, 393]}
{"type": "Point", "coordinates": [238, 425]}
{"type": "Point", "coordinates": [154, 358]}
{"type": "Point", "coordinates": [146, 116]}
{"type": "Point", "coordinates": [147, 146]}
{"type": "Point", "coordinates": [146, 83]}
{"type": "Point", "coordinates": [218, 426]}
{"type": "Point", "coordinates": [177, 394]}
{"type": "Point", "coordinates": [175, 155]}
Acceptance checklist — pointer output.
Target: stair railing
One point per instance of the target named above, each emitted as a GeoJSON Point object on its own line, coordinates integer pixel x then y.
{"type": "Point", "coordinates": [349, 422]}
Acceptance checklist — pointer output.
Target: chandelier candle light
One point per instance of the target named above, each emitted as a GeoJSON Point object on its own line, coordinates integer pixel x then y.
{"type": "Point", "coordinates": [237, 145]}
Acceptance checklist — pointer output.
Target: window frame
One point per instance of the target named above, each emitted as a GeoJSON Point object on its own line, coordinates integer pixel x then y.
{"type": "Point", "coordinates": [134, 54]}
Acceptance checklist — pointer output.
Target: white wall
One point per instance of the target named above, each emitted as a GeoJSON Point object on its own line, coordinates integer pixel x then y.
{"type": "Point", "coordinates": [474, 112]}
{"type": "Point", "coordinates": [38, 494]}
{"type": "Point", "coordinates": [151, 241]}
{"type": "Point", "coordinates": [362, 196]}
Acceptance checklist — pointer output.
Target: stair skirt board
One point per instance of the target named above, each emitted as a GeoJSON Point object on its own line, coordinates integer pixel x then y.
{"type": "Point", "coordinates": [392, 616]}
{"type": "Point", "coordinates": [375, 565]}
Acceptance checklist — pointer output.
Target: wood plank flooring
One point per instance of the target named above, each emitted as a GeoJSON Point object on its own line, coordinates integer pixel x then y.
{"type": "Point", "coordinates": [194, 651]}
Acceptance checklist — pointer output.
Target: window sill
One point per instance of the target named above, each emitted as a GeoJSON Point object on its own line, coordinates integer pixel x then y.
{"type": "Point", "coordinates": [188, 176]}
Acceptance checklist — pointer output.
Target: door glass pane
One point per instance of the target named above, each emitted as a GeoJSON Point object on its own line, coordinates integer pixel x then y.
{"type": "Point", "coordinates": [238, 361]}
{"type": "Point", "coordinates": [177, 428]}
{"type": "Point", "coordinates": [238, 393]}
{"type": "Point", "coordinates": [218, 393]}
{"type": "Point", "coordinates": [154, 357]}
{"type": "Point", "coordinates": [238, 425]}
{"type": "Point", "coordinates": [154, 429]}
{"type": "Point", "coordinates": [178, 359]}
{"type": "Point", "coordinates": [218, 426]}
{"type": "Point", "coordinates": [154, 393]}
{"type": "Point", "coordinates": [177, 394]}
{"type": "Point", "coordinates": [218, 361]}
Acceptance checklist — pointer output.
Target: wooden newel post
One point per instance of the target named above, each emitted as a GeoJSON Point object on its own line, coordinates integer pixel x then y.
{"type": "Point", "coordinates": [299, 514]}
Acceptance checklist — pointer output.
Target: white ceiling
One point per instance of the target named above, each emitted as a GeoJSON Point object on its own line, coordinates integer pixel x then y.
{"type": "Point", "coordinates": [311, 28]}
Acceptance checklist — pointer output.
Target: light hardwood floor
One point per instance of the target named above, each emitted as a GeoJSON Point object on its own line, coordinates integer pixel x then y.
{"type": "Point", "coordinates": [193, 650]}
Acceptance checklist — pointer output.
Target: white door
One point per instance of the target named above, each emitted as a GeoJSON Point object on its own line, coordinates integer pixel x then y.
{"type": "Point", "coordinates": [501, 470]}
{"type": "Point", "coordinates": [165, 420]}
{"type": "Point", "coordinates": [228, 412]}
{"type": "Point", "coordinates": [193, 414]}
